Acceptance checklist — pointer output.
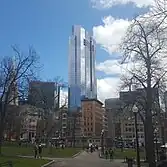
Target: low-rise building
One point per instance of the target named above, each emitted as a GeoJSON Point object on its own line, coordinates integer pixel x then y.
{"type": "Point", "coordinates": [105, 121]}
{"type": "Point", "coordinates": [30, 122]}
{"type": "Point", "coordinates": [21, 122]}
{"type": "Point", "coordinates": [92, 115]}
{"type": "Point", "coordinates": [75, 128]}
{"type": "Point", "coordinates": [61, 123]}
{"type": "Point", "coordinates": [113, 110]}
{"type": "Point", "coordinates": [128, 130]}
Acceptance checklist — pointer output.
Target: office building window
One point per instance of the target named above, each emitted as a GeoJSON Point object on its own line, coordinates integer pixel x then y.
{"type": "Point", "coordinates": [86, 43]}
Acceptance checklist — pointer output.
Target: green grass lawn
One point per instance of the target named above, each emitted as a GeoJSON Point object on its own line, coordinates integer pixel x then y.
{"type": "Point", "coordinates": [23, 162]}
{"type": "Point", "coordinates": [129, 153]}
{"type": "Point", "coordinates": [26, 151]}
{"type": "Point", "coordinates": [11, 152]}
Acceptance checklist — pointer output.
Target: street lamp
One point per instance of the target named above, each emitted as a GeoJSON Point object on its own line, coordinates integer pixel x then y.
{"type": "Point", "coordinates": [122, 143]}
{"type": "Point", "coordinates": [102, 141]}
{"type": "Point", "coordinates": [156, 143]}
{"type": "Point", "coordinates": [135, 111]}
{"type": "Point", "coordinates": [83, 141]}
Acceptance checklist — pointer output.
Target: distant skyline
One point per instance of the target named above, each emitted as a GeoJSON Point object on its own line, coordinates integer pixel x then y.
{"type": "Point", "coordinates": [46, 25]}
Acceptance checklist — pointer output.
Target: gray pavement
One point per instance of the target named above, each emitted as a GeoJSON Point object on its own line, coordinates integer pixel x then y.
{"type": "Point", "coordinates": [88, 160]}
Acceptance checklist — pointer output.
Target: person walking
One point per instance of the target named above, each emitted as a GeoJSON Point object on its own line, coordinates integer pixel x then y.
{"type": "Point", "coordinates": [87, 148]}
{"type": "Point", "coordinates": [111, 154]}
{"type": "Point", "coordinates": [91, 148]}
{"type": "Point", "coordinates": [40, 150]}
{"type": "Point", "coordinates": [106, 154]}
{"type": "Point", "coordinates": [35, 150]}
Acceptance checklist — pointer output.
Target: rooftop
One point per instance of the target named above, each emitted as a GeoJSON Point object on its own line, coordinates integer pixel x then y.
{"type": "Point", "coordinates": [98, 101]}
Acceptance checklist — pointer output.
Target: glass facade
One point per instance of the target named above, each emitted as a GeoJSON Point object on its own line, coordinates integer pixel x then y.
{"type": "Point", "coordinates": [82, 79]}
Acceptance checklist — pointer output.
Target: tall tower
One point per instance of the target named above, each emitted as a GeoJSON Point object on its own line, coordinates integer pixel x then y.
{"type": "Point", "coordinates": [81, 76]}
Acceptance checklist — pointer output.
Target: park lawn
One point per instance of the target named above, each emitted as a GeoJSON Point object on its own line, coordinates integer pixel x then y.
{"type": "Point", "coordinates": [46, 152]}
{"type": "Point", "coordinates": [23, 162]}
{"type": "Point", "coordinates": [129, 153]}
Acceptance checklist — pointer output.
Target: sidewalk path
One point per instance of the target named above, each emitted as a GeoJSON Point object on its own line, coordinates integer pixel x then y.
{"type": "Point", "coordinates": [88, 160]}
{"type": "Point", "coordinates": [48, 158]}
{"type": "Point", "coordinates": [84, 159]}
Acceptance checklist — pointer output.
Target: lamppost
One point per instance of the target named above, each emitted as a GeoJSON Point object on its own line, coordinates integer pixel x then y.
{"type": "Point", "coordinates": [135, 111]}
{"type": "Point", "coordinates": [102, 141]}
{"type": "Point", "coordinates": [122, 144]}
{"type": "Point", "coordinates": [156, 143]}
{"type": "Point", "coordinates": [83, 141]}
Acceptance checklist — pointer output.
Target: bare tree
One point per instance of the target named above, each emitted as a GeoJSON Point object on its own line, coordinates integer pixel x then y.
{"type": "Point", "coordinates": [15, 73]}
{"type": "Point", "coordinates": [75, 125]}
{"type": "Point", "coordinates": [144, 50]}
{"type": "Point", "coordinates": [54, 123]}
{"type": "Point", "coordinates": [48, 121]}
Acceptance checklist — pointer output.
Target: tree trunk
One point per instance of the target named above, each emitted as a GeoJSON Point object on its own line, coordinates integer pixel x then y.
{"type": "Point", "coordinates": [1, 135]}
{"type": "Point", "coordinates": [2, 121]}
{"type": "Point", "coordinates": [148, 120]}
{"type": "Point", "coordinates": [150, 153]}
{"type": "Point", "coordinates": [74, 131]}
{"type": "Point", "coordinates": [145, 144]}
{"type": "Point", "coordinates": [50, 149]}
{"type": "Point", "coordinates": [1, 142]}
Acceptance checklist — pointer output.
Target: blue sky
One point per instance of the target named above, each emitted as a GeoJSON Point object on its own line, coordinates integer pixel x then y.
{"type": "Point", "coordinates": [46, 25]}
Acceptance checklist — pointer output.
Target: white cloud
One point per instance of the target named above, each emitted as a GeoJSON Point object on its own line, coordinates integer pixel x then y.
{"type": "Point", "coordinates": [109, 67]}
{"type": "Point", "coordinates": [110, 34]}
{"type": "Point", "coordinates": [113, 67]}
{"type": "Point", "coordinates": [109, 3]}
{"type": "Point", "coordinates": [107, 88]}
{"type": "Point", "coordinates": [63, 97]}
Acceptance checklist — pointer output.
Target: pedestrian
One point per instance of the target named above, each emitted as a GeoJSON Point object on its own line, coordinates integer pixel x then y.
{"type": "Point", "coordinates": [111, 154]}
{"type": "Point", "coordinates": [19, 142]}
{"type": "Point", "coordinates": [35, 150]}
{"type": "Point", "coordinates": [162, 155]}
{"type": "Point", "coordinates": [106, 154]}
{"type": "Point", "coordinates": [40, 150]}
{"type": "Point", "coordinates": [87, 149]}
{"type": "Point", "coordinates": [91, 148]}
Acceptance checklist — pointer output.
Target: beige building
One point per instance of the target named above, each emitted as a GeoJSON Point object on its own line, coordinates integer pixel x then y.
{"type": "Point", "coordinates": [121, 121]}
{"type": "Point", "coordinates": [113, 111]}
{"type": "Point", "coordinates": [105, 121]}
{"type": "Point", "coordinates": [128, 130]}
{"type": "Point", "coordinates": [60, 128]}
{"type": "Point", "coordinates": [92, 115]}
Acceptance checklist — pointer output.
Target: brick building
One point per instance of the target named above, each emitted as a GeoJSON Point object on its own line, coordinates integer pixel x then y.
{"type": "Point", "coordinates": [92, 115]}
{"type": "Point", "coordinates": [105, 121]}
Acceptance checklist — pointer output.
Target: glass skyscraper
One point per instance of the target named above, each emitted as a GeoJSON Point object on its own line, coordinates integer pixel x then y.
{"type": "Point", "coordinates": [81, 76]}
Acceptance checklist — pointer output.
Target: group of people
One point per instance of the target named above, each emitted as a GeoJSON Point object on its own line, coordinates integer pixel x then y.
{"type": "Point", "coordinates": [109, 153]}
{"type": "Point", "coordinates": [37, 151]}
{"type": "Point", "coordinates": [91, 148]}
